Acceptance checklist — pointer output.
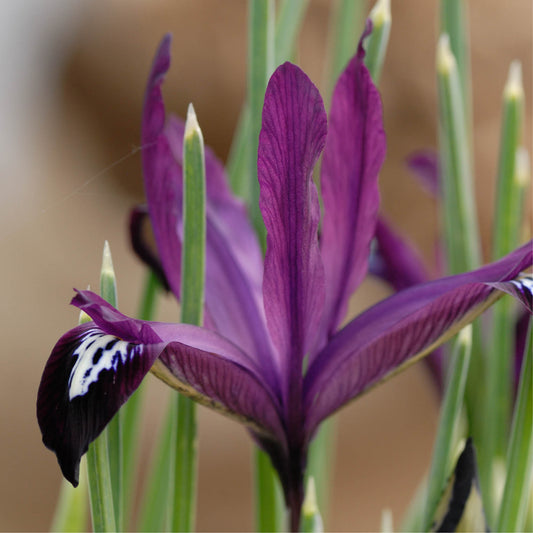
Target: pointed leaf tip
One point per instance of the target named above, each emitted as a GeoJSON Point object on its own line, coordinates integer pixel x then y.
{"type": "Point", "coordinates": [445, 59]}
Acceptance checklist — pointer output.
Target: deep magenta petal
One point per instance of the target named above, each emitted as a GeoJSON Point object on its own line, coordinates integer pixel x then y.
{"type": "Point", "coordinates": [401, 329]}
{"type": "Point", "coordinates": [353, 156]}
{"type": "Point", "coordinates": [88, 376]}
{"type": "Point", "coordinates": [398, 263]}
{"type": "Point", "coordinates": [291, 140]}
{"type": "Point", "coordinates": [234, 264]}
{"type": "Point", "coordinates": [139, 219]}
{"type": "Point", "coordinates": [94, 368]}
{"type": "Point", "coordinates": [425, 166]}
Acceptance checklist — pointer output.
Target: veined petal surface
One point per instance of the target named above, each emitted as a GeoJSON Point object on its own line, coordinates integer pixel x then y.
{"type": "Point", "coordinates": [401, 329]}
{"type": "Point", "coordinates": [95, 367]}
{"type": "Point", "coordinates": [234, 265]}
{"type": "Point", "coordinates": [88, 376]}
{"type": "Point", "coordinates": [352, 159]}
{"type": "Point", "coordinates": [291, 139]}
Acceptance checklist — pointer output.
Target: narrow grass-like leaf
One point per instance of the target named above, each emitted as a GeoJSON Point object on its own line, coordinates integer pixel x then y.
{"type": "Point", "coordinates": [268, 503]}
{"type": "Point", "coordinates": [115, 446]}
{"type": "Point", "coordinates": [270, 514]}
{"type": "Point", "coordinates": [260, 67]}
{"type": "Point", "coordinates": [345, 29]}
{"type": "Point", "coordinates": [449, 417]}
{"type": "Point", "coordinates": [131, 411]}
{"type": "Point", "coordinates": [516, 498]}
{"type": "Point", "coordinates": [311, 519]}
{"type": "Point", "coordinates": [192, 305]}
{"type": "Point", "coordinates": [321, 453]}
{"type": "Point", "coordinates": [460, 221]}
{"type": "Point", "coordinates": [101, 487]}
{"type": "Point", "coordinates": [378, 40]}
{"type": "Point", "coordinates": [71, 514]}
{"type": "Point", "coordinates": [156, 506]}
{"type": "Point", "coordinates": [453, 23]}
{"type": "Point", "coordinates": [287, 28]}
{"type": "Point", "coordinates": [506, 234]}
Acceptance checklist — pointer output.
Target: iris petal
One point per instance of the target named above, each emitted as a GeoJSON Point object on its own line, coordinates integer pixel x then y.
{"type": "Point", "coordinates": [88, 376]}
{"type": "Point", "coordinates": [401, 329]}
{"type": "Point", "coordinates": [353, 156]}
{"type": "Point", "coordinates": [291, 140]}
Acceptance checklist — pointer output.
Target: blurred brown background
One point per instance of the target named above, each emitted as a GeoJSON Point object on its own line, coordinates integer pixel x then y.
{"type": "Point", "coordinates": [70, 101]}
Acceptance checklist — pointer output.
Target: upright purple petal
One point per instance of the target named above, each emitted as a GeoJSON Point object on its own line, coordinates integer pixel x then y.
{"type": "Point", "coordinates": [291, 140]}
{"type": "Point", "coordinates": [233, 258]}
{"type": "Point", "coordinates": [162, 177]}
{"type": "Point", "coordinates": [353, 155]}
{"type": "Point", "coordinates": [400, 330]}
{"type": "Point", "coordinates": [95, 367]}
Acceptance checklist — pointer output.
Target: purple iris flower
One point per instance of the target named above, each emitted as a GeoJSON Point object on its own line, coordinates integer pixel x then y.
{"type": "Point", "coordinates": [273, 354]}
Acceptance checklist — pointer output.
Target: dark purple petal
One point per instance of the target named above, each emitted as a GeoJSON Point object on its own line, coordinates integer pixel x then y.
{"type": "Point", "coordinates": [394, 260]}
{"type": "Point", "coordinates": [139, 218]}
{"type": "Point", "coordinates": [521, 289]}
{"type": "Point", "coordinates": [400, 330]}
{"type": "Point", "coordinates": [425, 166]}
{"type": "Point", "coordinates": [234, 265]}
{"type": "Point", "coordinates": [521, 336]}
{"type": "Point", "coordinates": [291, 140]}
{"type": "Point", "coordinates": [162, 176]}
{"type": "Point", "coordinates": [88, 376]}
{"type": "Point", "coordinates": [94, 368]}
{"type": "Point", "coordinates": [397, 262]}
{"type": "Point", "coordinates": [353, 155]}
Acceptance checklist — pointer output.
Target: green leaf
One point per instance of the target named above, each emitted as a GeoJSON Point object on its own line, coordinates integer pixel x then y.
{"type": "Point", "coordinates": [260, 67]}
{"type": "Point", "coordinates": [460, 221]}
{"type": "Point", "coordinates": [311, 519]}
{"type": "Point", "coordinates": [192, 306]}
{"type": "Point", "coordinates": [72, 508]}
{"type": "Point", "coordinates": [448, 422]}
{"type": "Point", "coordinates": [269, 503]}
{"type": "Point", "coordinates": [105, 491]}
{"type": "Point", "coordinates": [378, 40]}
{"type": "Point", "coordinates": [516, 495]}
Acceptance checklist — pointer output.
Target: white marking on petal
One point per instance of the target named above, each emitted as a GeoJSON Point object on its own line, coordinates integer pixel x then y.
{"type": "Point", "coordinates": [524, 283]}
{"type": "Point", "coordinates": [95, 353]}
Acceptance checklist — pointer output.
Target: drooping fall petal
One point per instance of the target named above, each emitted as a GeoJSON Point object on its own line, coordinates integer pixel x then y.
{"type": "Point", "coordinates": [352, 159]}
{"type": "Point", "coordinates": [401, 329]}
{"type": "Point", "coordinates": [291, 140]}
{"type": "Point", "coordinates": [95, 367]}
